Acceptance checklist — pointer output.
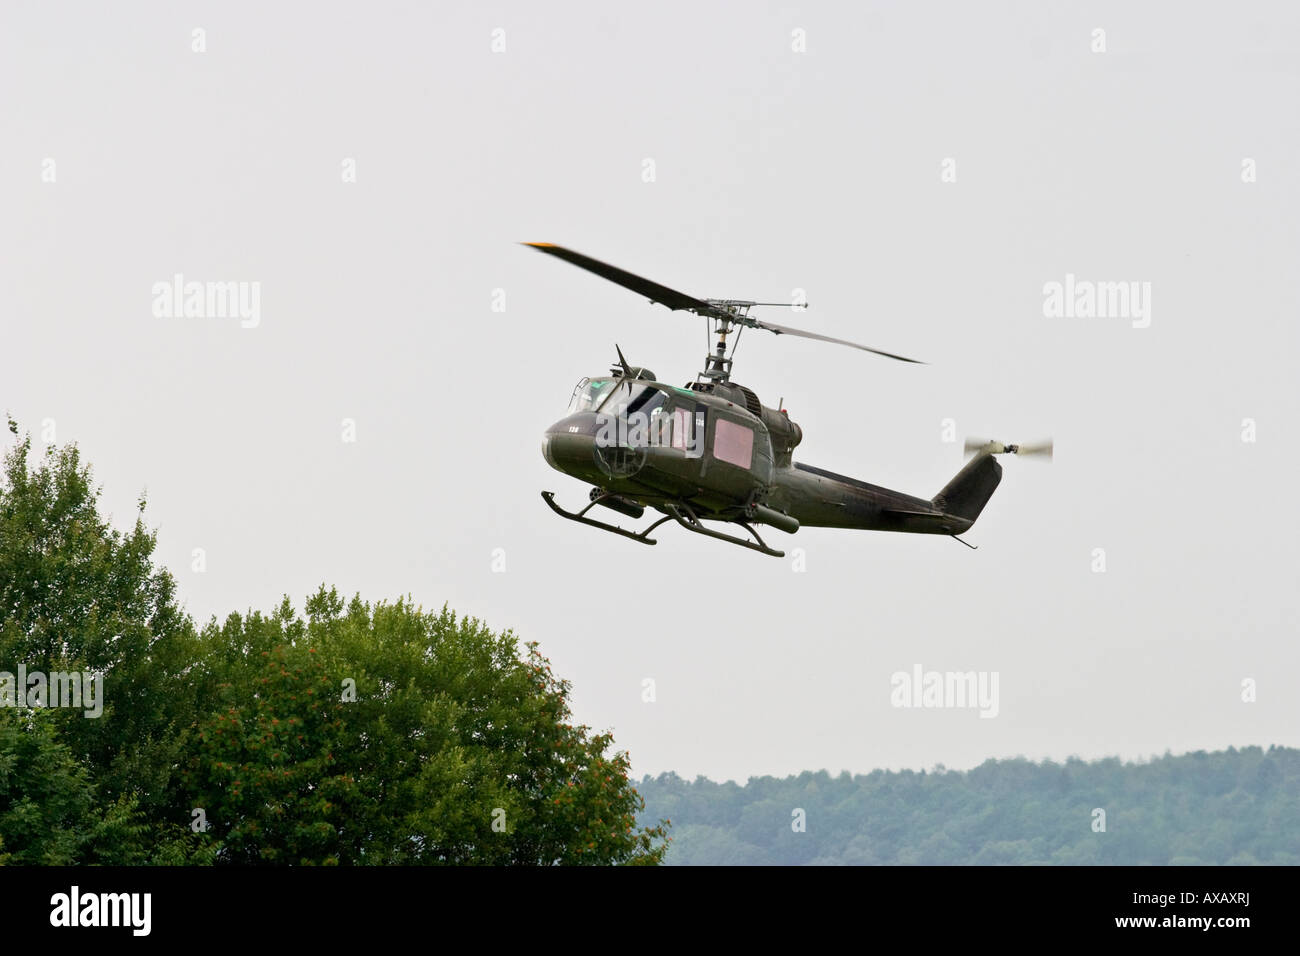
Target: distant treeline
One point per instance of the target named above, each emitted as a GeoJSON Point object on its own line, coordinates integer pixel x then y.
{"type": "Point", "coordinates": [1229, 807]}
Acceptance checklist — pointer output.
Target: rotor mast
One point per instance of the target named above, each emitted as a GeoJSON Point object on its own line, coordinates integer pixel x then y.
{"type": "Point", "coordinates": [729, 314]}
{"type": "Point", "coordinates": [717, 364]}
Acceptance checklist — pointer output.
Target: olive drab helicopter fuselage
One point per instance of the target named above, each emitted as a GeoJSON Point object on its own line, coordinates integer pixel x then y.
{"type": "Point", "coordinates": [711, 451]}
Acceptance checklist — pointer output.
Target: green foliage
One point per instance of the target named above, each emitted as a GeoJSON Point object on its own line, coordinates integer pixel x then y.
{"type": "Point", "coordinates": [358, 735]}
{"type": "Point", "coordinates": [390, 735]}
{"type": "Point", "coordinates": [1231, 807]}
{"type": "Point", "coordinates": [78, 595]}
{"type": "Point", "coordinates": [44, 794]}
{"type": "Point", "coordinates": [49, 811]}
{"type": "Point", "coordinates": [264, 765]}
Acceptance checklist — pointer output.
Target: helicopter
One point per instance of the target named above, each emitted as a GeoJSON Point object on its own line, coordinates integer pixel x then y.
{"type": "Point", "coordinates": [710, 451]}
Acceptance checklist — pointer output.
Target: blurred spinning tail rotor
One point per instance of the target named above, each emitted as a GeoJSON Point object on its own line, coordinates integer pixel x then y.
{"type": "Point", "coordinates": [1034, 449]}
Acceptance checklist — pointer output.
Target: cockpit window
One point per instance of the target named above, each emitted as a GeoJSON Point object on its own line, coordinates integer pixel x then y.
{"type": "Point", "coordinates": [587, 394]}
{"type": "Point", "coordinates": [636, 413]}
{"type": "Point", "coordinates": [649, 400]}
{"type": "Point", "coordinates": [633, 397]}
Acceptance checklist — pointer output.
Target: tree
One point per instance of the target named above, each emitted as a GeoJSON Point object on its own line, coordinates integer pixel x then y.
{"type": "Point", "coordinates": [49, 811]}
{"type": "Point", "coordinates": [393, 735]}
{"type": "Point", "coordinates": [78, 595]}
{"type": "Point", "coordinates": [376, 734]}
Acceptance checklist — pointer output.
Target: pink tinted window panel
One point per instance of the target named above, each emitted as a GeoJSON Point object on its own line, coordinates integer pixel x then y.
{"type": "Point", "coordinates": [733, 443]}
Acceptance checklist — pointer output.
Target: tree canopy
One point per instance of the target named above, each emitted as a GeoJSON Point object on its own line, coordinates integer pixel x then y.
{"type": "Point", "coordinates": [349, 733]}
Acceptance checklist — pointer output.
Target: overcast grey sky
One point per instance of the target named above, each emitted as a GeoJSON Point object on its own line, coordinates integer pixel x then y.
{"type": "Point", "coordinates": [774, 168]}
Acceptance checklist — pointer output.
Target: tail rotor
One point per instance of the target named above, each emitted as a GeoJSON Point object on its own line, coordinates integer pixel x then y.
{"type": "Point", "coordinates": [1035, 449]}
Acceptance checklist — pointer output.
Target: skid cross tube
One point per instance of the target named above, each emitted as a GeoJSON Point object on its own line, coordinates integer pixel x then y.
{"type": "Point", "coordinates": [691, 522]}
{"type": "Point", "coordinates": [679, 512]}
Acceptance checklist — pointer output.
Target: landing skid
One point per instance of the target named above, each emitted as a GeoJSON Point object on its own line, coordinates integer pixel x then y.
{"type": "Point", "coordinates": [690, 522]}
{"type": "Point", "coordinates": [580, 517]}
{"type": "Point", "coordinates": [680, 513]}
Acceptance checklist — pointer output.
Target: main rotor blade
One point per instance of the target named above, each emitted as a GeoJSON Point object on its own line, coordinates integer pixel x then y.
{"type": "Point", "coordinates": [723, 309]}
{"type": "Point", "coordinates": [786, 330]}
{"type": "Point", "coordinates": [651, 290]}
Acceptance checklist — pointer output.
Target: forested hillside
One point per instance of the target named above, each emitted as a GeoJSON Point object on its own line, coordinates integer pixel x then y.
{"type": "Point", "coordinates": [1234, 806]}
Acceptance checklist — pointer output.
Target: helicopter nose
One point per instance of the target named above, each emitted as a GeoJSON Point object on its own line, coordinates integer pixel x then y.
{"type": "Point", "coordinates": [568, 445]}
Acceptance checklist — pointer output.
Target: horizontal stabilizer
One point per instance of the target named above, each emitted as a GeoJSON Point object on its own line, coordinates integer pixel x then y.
{"type": "Point", "coordinates": [923, 521]}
